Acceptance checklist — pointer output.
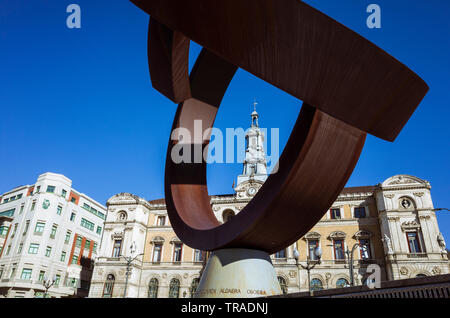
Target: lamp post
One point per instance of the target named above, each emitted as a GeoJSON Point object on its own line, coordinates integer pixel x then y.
{"type": "Point", "coordinates": [441, 209]}
{"type": "Point", "coordinates": [350, 260]}
{"type": "Point", "coordinates": [48, 284]}
{"type": "Point", "coordinates": [129, 260]}
{"type": "Point", "coordinates": [310, 264]}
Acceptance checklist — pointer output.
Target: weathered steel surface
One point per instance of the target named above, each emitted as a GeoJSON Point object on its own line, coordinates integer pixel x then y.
{"type": "Point", "coordinates": [303, 52]}
{"type": "Point", "coordinates": [353, 86]}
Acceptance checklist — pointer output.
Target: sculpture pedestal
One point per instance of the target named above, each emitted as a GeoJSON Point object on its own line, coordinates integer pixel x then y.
{"type": "Point", "coordinates": [238, 273]}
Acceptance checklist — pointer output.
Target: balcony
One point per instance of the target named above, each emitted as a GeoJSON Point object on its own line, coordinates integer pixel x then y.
{"type": "Point", "coordinates": [416, 255]}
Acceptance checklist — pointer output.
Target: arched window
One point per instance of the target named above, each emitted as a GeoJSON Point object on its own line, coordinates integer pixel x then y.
{"type": "Point", "coordinates": [194, 286]}
{"type": "Point", "coordinates": [283, 284]}
{"type": "Point", "coordinates": [227, 215]}
{"type": "Point", "coordinates": [174, 288]}
{"type": "Point", "coordinates": [153, 288]}
{"type": "Point", "coordinates": [421, 275]}
{"type": "Point", "coordinates": [342, 282]}
{"type": "Point", "coordinates": [316, 284]}
{"type": "Point", "coordinates": [281, 254]}
{"type": "Point", "coordinates": [109, 286]}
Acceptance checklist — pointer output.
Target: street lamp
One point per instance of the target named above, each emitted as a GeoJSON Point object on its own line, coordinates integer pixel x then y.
{"type": "Point", "coordinates": [441, 209]}
{"type": "Point", "coordinates": [48, 283]}
{"type": "Point", "coordinates": [310, 264]}
{"type": "Point", "coordinates": [129, 260]}
{"type": "Point", "coordinates": [350, 258]}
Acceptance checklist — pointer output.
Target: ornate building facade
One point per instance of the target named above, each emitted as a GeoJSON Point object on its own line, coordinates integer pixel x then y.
{"type": "Point", "coordinates": [391, 224]}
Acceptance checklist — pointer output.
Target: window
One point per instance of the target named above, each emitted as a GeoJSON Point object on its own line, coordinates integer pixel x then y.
{"type": "Point", "coordinates": [360, 212]}
{"type": "Point", "coordinates": [27, 225]}
{"type": "Point", "coordinates": [99, 230]}
{"type": "Point", "coordinates": [312, 245]}
{"type": "Point", "coordinates": [194, 286]}
{"type": "Point", "coordinates": [178, 247]}
{"type": "Point", "coordinates": [109, 286]}
{"type": "Point", "coordinates": [157, 251]}
{"type": "Point", "coordinates": [116, 248]}
{"type": "Point", "coordinates": [19, 196]}
{"type": "Point", "coordinates": [33, 249]}
{"type": "Point", "coordinates": [63, 193]}
{"type": "Point", "coordinates": [4, 230]}
{"type": "Point", "coordinates": [39, 229]}
{"type": "Point", "coordinates": [335, 213]}
{"type": "Point", "coordinates": [283, 285]}
{"type": "Point", "coordinates": [5, 200]}
{"type": "Point", "coordinates": [26, 274]}
{"type": "Point", "coordinates": [8, 213]}
{"type": "Point", "coordinates": [342, 282]}
{"type": "Point", "coordinates": [161, 221]}
{"type": "Point", "coordinates": [413, 242]}
{"type": "Point", "coordinates": [53, 233]}
{"type": "Point", "coordinates": [48, 251]}
{"type": "Point", "coordinates": [21, 208]}
{"type": "Point", "coordinates": [50, 189]}
{"type": "Point", "coordinates": [280, 254]}
{"type": "Point", "coordinates": [94, 248]}
{"type": "Point", "coordinates": [72, 216]}
{"type": "Point", "coordinates": [79, 241]}
{"type": "Point", "coordinates": [33, 205]}
{"type": "Point", "coordinates": [8, 249]}
{"type": "Point", "coordinates": [364, 249]}
{"type": "Point", "coordinates": [2, 269]}
{"type": "Point", "coordinates": [59, 210]}
{"type": "Point", "coordinates": [73, 199]}
{"type": "Point", "coordinates": [198, 256]}
{"type": "Point", "coordinates": [316, 284]}
{"type": "Point", "coordinates": [227, 215]}
{"type": "Point", "coordinates": [19, 250]}
{"type": "Point", "coordinates": [63, 256]}
{"type": "Point", "coordinates": [174, 288]}
{"type": "Point", "coordinates": [153, 288]}
{"type": "Point", "coordinates": [13, 272]}
{"type": "Point", "coordinates": [338, 246]}
{"type": "Point", "coordinates": [57, 279]}
{"type": "Point", "coordinates": [74, 259]}
{"type": "Point", "coordinates": [68, 233]}
{"type": "Point", "coordinates": [41, 276]}
{"type": "Point", "coordinates": [38, 189]}
{"type": "Point", "coordinates": [86, 224]}
{"type": "Point", "coordinates": [87, 244]}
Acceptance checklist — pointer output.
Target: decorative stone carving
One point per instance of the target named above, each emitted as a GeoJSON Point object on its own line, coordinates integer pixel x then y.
{"type": "Point", "coordinates": [401, 180]}
{"type": "Point", "coordinates": [122, 216]}
{"type": "Point", "coordinates": [404, 271]}
{"type": "Point", "coordinates": [117, 235]}
{"type": "Point", "coordinates": [100, 271]}
{"type": "Point", "coordinates": [292, 274]}
{"type": "Point", "coordinates": [185, 276]}
{"type": "Point", "coordinates": [424, 217]}
{"type": "Point", "coordinates": [336, 235]}
{"type": "Point", "coordinates": [418, 194]}
{"type": "Point", "coordinates": [216, 208]}
{"type": "Point", "coordinates": [362, 235]}
{"type": "Point", "coordinates": [441, 242]}
{"type": "Point", "coordinates": [436, 271]}
{"type": "Point", "coordinates": [389, 196]}
{"type": "Point", "coordinates": [410, 225]}
{"type": "Point", "coordinates": [387, 241]}
{"type": "Point", "coordinates": [393, 218]}
{"type": "Point", "coordinates": [311, 236]}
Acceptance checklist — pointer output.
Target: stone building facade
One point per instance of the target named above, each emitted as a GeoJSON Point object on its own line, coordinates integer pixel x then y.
{"type": "Point", "coordinates": [393, 223]}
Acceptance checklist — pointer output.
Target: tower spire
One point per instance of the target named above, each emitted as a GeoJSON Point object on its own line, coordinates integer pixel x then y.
{"type": "Point", "coordinates": [255, 166]}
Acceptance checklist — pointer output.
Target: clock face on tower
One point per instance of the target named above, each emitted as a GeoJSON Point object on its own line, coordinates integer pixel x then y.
{"type": "Point", "coordinates": [251, 191]}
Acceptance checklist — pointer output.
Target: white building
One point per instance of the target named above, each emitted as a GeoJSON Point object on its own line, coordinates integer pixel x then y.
{"type": "Point", "coordinates": [48, 230]}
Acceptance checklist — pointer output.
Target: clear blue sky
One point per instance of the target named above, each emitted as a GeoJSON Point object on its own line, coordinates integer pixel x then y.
{"type": "Point", "coordinates": [80, 103]}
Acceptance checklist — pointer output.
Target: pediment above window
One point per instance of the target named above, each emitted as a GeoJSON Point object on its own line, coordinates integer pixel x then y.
{"type": "Point", "coordinates": [337, 235]}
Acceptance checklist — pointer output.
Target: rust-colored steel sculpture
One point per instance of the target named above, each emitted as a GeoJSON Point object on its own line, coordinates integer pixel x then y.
{"type": "Point", "coordinates": [349, 86]}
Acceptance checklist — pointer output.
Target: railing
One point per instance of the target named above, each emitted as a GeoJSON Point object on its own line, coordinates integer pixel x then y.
{"type": "Point", "coordinates": [416, 255]}
{"type": "Point", "coordinates": [421, 287]}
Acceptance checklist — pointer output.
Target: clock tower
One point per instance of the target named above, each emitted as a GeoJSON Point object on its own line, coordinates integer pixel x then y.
{"type": "Point", "coordinates": [255, 166]}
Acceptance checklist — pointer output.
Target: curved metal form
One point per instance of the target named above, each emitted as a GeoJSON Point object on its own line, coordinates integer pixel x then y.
{"type": "Point", "coordinates": [349, 86]}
